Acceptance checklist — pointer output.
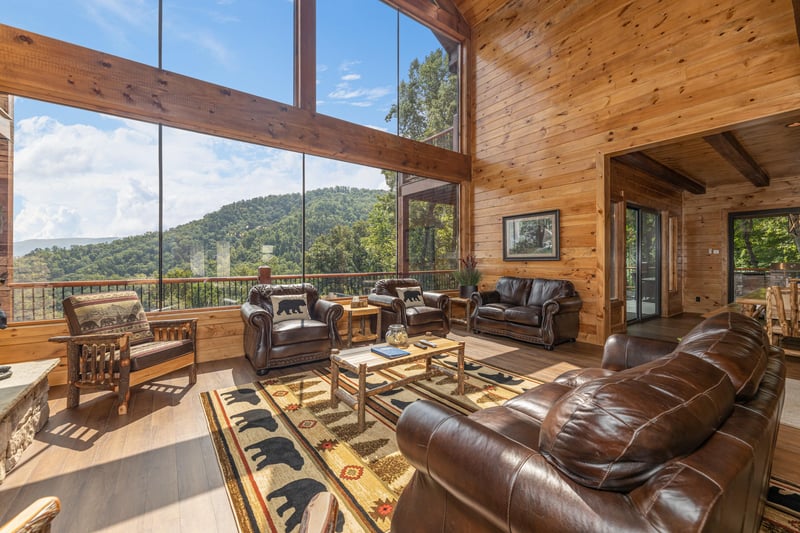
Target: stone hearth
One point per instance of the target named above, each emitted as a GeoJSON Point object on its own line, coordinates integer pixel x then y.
{"type": "Point", "coordinates": [23, 409]}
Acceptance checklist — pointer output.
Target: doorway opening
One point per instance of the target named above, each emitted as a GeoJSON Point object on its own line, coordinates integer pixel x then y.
{"type": "Point", "coordinates": [642, 263]}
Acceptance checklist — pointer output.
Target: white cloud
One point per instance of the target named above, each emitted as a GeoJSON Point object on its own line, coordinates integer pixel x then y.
{"type": "Point", "coordinates": [83, 181]}
{"type": "Point", "coordinates": [351, 77]}
{"type": "Point", "coordinates": [345, 92]}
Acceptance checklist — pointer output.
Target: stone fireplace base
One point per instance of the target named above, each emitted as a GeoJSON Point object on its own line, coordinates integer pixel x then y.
{"type": "Point", "coordinates": [23, 409]}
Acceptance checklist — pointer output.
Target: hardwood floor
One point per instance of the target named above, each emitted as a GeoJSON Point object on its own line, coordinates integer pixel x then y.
{"type": "Point", "coordinates": [155, 469]}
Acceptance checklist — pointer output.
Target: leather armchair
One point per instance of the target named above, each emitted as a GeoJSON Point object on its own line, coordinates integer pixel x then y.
{"type": "Point", "coordinates": [430, 316]}
{"type": "Point", "coordinates": [271, 343]}
{"type": "Point", "coordinates": [659, 441]}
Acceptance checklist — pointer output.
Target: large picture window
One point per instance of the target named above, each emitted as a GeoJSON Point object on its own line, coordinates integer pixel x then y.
{"type": "Point", "coordinates": [764, 249]}
{"type": "Point", "coordinates": [185, 218]}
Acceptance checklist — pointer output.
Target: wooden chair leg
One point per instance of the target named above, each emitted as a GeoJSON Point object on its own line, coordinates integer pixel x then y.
{"type": "Point", "coordinates": [124, 397]}
{"type": "Point", "coordinates": [73, 396]}
{"type": "Point", "coordinates": [193, 374]}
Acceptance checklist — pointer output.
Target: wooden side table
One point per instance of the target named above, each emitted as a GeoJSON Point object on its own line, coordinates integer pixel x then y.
{"type": "Point", "coordinates": [467, 303]}
{"type": "Point", "coordinates": [362, 313]}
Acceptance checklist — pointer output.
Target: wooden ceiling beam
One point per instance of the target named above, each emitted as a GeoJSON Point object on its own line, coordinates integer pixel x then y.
{"type": "Point", "coordinates": [648, 165]}
{"type": "Point", "coordinates": [441, 15]}
{"type": "Point", "coordinates": [729, 147]}
{"type": "Point", "coordinates": [43, 68]}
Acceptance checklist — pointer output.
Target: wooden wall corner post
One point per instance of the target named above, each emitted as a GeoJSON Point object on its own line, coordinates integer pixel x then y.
{"type": "Point", "coordinates": [264, 275]}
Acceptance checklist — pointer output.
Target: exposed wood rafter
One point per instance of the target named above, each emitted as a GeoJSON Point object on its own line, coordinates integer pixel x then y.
{"type": "Point", "coordinates": [43, 68]}
{"type": "Point", "coordinates": [734, 153]}
{"type": "Point", "coordinates": [648, 165]}
{"type": "Point", "coordinates": [305, 65]}
{"type": "Point", "coordinates": [443, 16]}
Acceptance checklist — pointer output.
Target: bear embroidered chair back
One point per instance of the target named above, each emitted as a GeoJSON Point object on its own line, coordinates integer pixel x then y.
{"type": "Point", "coordinates": [403, 301]}
{"type": "Point", "coordinates": [288, 325]}
{"type": "Point", "coordinates": [112, 345]}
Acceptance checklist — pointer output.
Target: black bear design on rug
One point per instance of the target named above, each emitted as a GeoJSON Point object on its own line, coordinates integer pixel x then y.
{"type": "Point", "coordinates": [298, 494]}
{"type": "Point", "coordinates": [276, 450]}
{"type": "Point", "coordinates": [290, 307]}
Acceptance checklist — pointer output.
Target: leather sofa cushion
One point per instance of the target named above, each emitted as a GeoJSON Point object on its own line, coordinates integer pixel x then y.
{"type": "Point", "coordinates": [295, 331]}
{"type": "Point", "coordinates": [736, 345]}
{"type": "Point", "coordinates": [614, 432]}
{"type": "Point", "coordinates": [547, 289]}
{"type": "Point", "coordinates": [513, 290]}
{"type": "Point", "coordinates": [496, 311]}
{"type": "Point", "coordinates": [423, 315]}
{"type": "Point", "coordinates": [530, 316]}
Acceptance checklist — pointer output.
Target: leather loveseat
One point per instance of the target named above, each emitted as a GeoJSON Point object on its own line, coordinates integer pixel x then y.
{"type": "Point", "coordinates": [661, 438]}
{"type": "Point", "coordinates": [536, 310]}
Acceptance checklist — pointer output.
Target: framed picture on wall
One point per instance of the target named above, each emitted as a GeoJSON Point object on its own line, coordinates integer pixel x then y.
{"type": "Point", "coordinates": [531, 237]}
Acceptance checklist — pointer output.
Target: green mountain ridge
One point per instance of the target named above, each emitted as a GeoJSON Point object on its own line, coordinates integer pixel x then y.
{"type": "Point", "coordinates": [243, 227]}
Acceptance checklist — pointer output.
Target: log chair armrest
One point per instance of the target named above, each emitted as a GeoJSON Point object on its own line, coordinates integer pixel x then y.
{"type": "Point", "coordinates": [626, 351]}
{"type": "Point", "coordinates": [174, 328]}
{"type": "Point", "coordinates": [34, 518]}
{"type": "Point", "coordinates": [94, 338]}
{"type": "Point", "coordinates": [436, 299]}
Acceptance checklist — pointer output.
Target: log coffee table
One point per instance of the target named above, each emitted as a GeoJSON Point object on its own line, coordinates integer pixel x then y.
{"type": "Point", "coordinates": [362, 361]}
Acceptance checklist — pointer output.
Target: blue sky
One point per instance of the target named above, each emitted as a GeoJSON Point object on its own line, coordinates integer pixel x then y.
{"type": "Point", "coordinates": [242, 44]}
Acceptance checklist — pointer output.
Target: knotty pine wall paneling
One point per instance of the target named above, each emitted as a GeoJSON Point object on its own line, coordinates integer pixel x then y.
{"type": "Point", "coordinates": [706, 226]}
{"type": "Point", "coordinates": [556, 82]}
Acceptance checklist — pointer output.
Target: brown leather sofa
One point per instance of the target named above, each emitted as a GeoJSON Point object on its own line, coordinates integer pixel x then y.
{"type": "Point", "coordinates": [661, 438]}
{"type": "Point", "coordinates": [430, 315]}
{"type": "Point", "coordinates": [270, 343]}
{"type": "Point", "coordinates": [536, 310]}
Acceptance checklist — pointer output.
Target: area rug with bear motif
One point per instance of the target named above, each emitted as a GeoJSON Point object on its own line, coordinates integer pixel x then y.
{"type": "Point", "coordinates": [279, 443]}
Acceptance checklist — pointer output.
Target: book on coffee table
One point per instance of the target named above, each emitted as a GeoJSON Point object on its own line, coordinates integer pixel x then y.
{"type": "Point", "coordinates": [389, 351]}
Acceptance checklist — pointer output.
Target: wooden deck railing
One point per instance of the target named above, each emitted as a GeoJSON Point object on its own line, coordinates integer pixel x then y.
{"type": "Point", "coordinates": [42, 301]}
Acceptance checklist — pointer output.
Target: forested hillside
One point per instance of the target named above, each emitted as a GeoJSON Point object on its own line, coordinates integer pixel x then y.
{"type": "Point", "coordinates": [339, 238]}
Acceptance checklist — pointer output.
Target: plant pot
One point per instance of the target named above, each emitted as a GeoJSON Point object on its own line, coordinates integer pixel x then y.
{"type": "Point", "coordinates": [465, 291]}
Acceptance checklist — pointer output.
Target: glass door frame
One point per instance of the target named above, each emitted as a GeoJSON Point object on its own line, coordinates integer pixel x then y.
{"type": "Point", "coordinates": [656, 278]}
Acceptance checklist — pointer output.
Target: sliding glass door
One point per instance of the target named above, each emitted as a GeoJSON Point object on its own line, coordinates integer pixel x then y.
{"type": "Point", "coordinates": [643, 263]}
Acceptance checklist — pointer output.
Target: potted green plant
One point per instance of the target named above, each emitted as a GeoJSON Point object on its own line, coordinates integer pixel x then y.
{"type": "Point", "coordinates": [467, 276]}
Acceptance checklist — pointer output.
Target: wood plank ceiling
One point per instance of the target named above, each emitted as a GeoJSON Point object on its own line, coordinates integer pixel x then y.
{"type": "Point", "coordinates": [748, 154]}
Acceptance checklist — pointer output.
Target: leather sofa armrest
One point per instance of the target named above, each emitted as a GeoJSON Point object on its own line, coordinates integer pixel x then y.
{"type": "Point", "coordinates": [330, 313]}
{"type": "Point", "coordinates": [256, 315]}
{"type": "Point", "coordinates": [392, 304]}
{"type": "Point", "coordinates": [436, 299]}
{"type": "Point", "coordinates": [516, 484]}
{"type": "Point", "coordinates": [480, 298]}
{"type": "Point", "coordinates": [567, 304]}
{"type": "Point", "coordinates": [626, 351]}
{"type": "Point", "coordinates": [327, 311]}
